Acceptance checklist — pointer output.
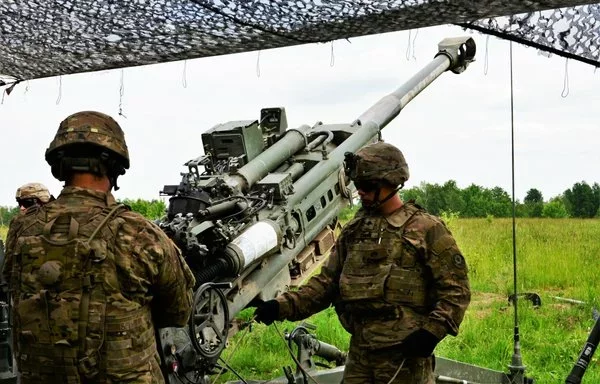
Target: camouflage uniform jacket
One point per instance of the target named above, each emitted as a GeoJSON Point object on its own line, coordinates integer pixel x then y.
{"type": "Point", "coordinates": [136, 281]}
{"type": "Point", "coordinates": [387, 277]}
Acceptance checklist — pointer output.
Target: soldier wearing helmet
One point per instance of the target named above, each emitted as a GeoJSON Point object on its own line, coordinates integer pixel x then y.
{"type": "Point", "coordinates": [32, 194]}
{"type": "Point", "coordinates": [396, 278]}
{"type": "Point", "coordinates": [378, 171]}
{"type": "Point", "coordinates": [88, 143]}
{"type": "Point", "coordinates": [90, 280]}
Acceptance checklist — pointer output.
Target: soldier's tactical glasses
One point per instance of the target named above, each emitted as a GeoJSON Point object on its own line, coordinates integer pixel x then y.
{"type": "Point", "coordinates": [26, 203]}
{"type": "Point", "coordinates": [366, 186]}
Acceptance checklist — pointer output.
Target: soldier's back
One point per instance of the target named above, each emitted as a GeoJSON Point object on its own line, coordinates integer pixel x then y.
{"type": "Point", "coordinates": [82, 260]}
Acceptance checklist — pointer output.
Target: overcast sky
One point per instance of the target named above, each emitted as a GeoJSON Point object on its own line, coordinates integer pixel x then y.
{"type": "Point", "coordinates": [458, 128]}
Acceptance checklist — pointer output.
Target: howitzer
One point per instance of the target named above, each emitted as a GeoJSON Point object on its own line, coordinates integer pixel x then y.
{"type": "Point", "coordinates": [264, 209]}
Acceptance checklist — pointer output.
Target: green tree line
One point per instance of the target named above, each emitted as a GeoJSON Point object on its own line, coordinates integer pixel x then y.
{"type": "Point", "coordinates": [448, 200]}
{"type": "Point", "coordinates": [6, 214]}
{"type": "Point", "coordinates": [581, 201]}
{"type": "Point", "coordinates": [151, 209]}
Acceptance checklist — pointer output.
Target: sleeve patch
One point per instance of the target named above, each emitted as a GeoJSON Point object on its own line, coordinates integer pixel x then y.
{"type": "Point", "coordinates": [458, 260]}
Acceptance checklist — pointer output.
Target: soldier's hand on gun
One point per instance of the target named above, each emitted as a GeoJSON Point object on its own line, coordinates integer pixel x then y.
{"type": "Point", "coordinates": [420, 343]}
{"type": "Point", "coordinates": [267, 312]}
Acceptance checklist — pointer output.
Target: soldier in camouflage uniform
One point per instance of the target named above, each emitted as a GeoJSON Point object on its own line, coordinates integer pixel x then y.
{"type": "Point", "coordinates": [90, 280]}
{"type": "Point", "coordinates": [32, 194]}
{"type": "Point", "coordinates": [396, 278]}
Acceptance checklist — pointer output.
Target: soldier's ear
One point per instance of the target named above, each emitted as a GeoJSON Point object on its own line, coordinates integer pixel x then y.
{"type": "Point", "coordinates": [386, 187]}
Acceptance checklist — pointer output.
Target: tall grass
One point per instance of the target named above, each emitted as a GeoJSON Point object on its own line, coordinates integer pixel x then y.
{"type": "Point", "coordinates": [554, 256]}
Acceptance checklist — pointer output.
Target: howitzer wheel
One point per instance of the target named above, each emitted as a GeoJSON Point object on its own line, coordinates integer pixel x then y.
{"type": "Point", "coordinates": [208, 324]}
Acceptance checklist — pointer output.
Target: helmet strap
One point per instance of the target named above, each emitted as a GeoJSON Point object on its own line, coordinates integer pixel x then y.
{"type": "Point", "coordinates": [113, 181]}
{"type": "Point", "coordinates": [378, 203]}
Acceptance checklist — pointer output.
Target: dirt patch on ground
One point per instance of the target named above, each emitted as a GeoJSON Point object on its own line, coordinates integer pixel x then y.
{"type": "Point", "coordinates": [484, 303]}
{"type": "Point", "coordinates": [559, 307]}
{"type": "Point", "coordinates": [486, 298]}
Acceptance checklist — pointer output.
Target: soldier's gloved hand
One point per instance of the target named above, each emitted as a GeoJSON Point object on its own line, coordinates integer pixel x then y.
{"type": "Point", "coordinates": [420, 343]}
{"type": "Point", "coordinates": [267, 312]}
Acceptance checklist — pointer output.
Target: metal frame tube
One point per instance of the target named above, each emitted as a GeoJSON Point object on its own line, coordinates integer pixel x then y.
{"type": "Point", "coordinates": [293, 141]}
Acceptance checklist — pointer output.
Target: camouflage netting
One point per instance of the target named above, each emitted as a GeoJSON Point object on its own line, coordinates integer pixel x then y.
{"type": "Point", "coordinates": [40, 38]}
{"type": "Point", "coordinates": [570, 32]}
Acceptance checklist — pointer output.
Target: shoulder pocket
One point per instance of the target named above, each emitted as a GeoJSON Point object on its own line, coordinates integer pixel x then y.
{"type": "Point", "coordinates": [443, 243]}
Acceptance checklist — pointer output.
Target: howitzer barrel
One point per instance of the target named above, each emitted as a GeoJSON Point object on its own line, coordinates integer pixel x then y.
{"type": "Point", "coordinates": [454, 54]}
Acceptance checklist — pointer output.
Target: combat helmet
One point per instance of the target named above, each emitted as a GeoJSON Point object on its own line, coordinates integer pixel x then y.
{"type": "Point", "coordinates": [33, 191]}
{"type": "Point", "coordinates": [88, 141]}
{"type": "Point", "coordinates": [377, 162]}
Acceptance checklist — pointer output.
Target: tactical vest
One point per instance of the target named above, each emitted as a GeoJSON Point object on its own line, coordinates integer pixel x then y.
{"type": "Point", "coordinates": [382, 279]}
{"type": "Point", "coordinates": [72, 323]}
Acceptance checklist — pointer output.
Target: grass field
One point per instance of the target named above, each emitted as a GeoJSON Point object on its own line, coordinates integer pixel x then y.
{"type": "Point", "coordinates": [556, 258]}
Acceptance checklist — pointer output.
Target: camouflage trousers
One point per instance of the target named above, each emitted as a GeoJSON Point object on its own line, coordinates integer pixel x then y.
{"type": "Point", "coordinates": [379, 366]}
{"type": "Point", "coordinates": [151, 374]}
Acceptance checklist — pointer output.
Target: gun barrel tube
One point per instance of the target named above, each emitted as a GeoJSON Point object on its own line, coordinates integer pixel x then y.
{"type": "Point", "coordinates": [371, 122]}
{"type": "Point", "coordinates": [454, 54]}
{"type": "Point", "coordinates": [386, 109]}
{"type": "Point", "coordinates": [293, 141]}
